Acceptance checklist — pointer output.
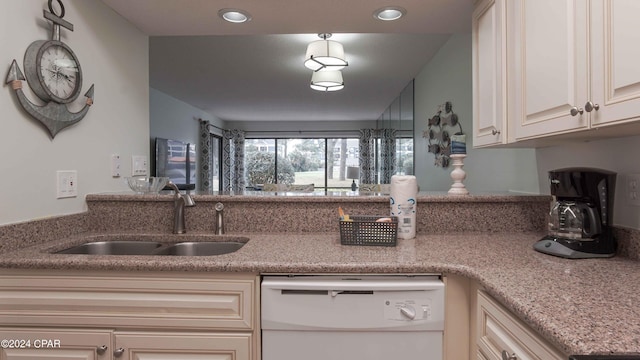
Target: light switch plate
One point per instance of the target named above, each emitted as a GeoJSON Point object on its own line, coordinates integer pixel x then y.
{"type": "Point", "coordinates": [67, 184]}
{"type": "Point", "coordinates": [138, 165]}
{"type": "Point", "coordinates": [633, 189]}
{"type": "Point", "coordinates": [116, 165]}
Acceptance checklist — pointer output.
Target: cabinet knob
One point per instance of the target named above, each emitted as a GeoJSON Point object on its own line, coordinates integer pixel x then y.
{"type": "Point", "coordinates": [575, 111]}
{"type": "Point", "coordinates": [589, 106]}
{"type": "Point", "coordinates": [495, 131]}
{"type": "Point", "coordinates": [118, 352]}
{"type": "Point", "coordinates": [101, 349]}
{"type": "Point", "coordinates": [506, 356]}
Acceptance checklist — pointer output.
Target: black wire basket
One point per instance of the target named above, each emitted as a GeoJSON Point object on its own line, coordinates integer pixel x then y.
{"type": "Point", "coordinates": [365, 230]}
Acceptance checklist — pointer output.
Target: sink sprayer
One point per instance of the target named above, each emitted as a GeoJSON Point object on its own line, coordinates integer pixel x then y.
{"type": "Point", "coordinates": [219, 224]}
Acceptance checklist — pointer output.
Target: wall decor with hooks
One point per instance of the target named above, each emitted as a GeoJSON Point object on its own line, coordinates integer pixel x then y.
{"type": "Point", "coordinates": [440, 128]}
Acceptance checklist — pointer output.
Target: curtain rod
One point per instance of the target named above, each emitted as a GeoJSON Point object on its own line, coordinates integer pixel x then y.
{"type": "Point", "coordinates": [211, 125]}
{"type": "Point", "coordinates": [297, 131]}
{"type": "Point", "coordinates": [309, 131]}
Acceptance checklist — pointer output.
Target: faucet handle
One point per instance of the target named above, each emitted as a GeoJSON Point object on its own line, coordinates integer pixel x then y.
{"type": "Point", "coordinates": [174, 187]}
{"type": "Point", "coordinates": [188, 200]}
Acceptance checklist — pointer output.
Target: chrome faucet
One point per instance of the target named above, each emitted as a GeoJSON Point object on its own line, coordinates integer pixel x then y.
{"type": "Point", "coordinates": [179, 203]}
{"type": "Point", "coordinates": [219, 224]}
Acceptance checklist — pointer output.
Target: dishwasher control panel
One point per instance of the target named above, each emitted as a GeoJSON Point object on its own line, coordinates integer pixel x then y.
{"type": "Point", "coordinates": [407, 310]}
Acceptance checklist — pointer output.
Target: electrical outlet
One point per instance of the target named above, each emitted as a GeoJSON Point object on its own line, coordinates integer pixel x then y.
{"type": "Point", "coordinates": [633, 189]}
{"type": "Point", "coordinates": [67, 185]}
{"type": "Point", "coordinates": [138, 165]}
{"type": "Point", "coordinates": [116, 165]}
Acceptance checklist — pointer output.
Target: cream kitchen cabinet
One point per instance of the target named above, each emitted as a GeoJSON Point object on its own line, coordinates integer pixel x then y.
{"type": "Point", "coordinates": [550, 55]}
{"type": "Point", "coordinates": [615, 75]}
{"type": "Point", "coordinates": [573, 66]}
{"type": "Point", "coordinates": [489, 58]}
{"type": "Point", "coordinates": [192, 346]}
{"type": "Point", "coordinates": [55, 344]}
{"type": "Point", "coordinates": [83, 344]}
{"type": "Point", "coordinates": [136, 315]}
{"type": "Point", "coordinates": [500, 335]}
{"type": "Point", "coordinates": [543, 68]}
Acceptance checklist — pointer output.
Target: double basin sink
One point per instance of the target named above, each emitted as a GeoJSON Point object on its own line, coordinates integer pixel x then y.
{"type": "Point", "coordinates": [151, 247]}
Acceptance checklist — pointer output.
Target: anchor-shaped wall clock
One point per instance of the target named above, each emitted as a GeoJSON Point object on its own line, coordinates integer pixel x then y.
{"type": "Point", "coordinates": [54, 74]}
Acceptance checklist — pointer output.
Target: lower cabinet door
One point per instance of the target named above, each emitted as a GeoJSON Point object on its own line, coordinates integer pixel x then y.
{"type": "Point", "coordinates": [183, 346]}
{"type": "Point", "coordinates": [480, 355]}
{"type": "Point", "coordinates": [53, 344]}
{"type": "Point", "coordinates": [502, 336]}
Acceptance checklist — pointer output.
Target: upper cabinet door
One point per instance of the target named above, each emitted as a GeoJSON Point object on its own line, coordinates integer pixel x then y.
{"type": "Point", "coordinates": [550, 66]}
{"type": "Point", "coordinates": [615, 74]}
{"type": "Point", "coordinates": [489, 73]}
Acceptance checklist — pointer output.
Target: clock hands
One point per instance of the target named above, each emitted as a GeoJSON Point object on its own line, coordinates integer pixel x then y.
{"type": "Point", "coordinates": [57, 74]}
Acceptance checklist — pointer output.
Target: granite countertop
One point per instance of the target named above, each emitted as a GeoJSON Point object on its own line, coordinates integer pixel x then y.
{"type": "Point", "coordinates": [581, 306]}
{"type": "Point", "coordinates": [318, 196]}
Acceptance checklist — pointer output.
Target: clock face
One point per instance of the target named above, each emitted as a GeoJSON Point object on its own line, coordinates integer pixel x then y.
{"type": "Point", "coordinates": [59, 72]}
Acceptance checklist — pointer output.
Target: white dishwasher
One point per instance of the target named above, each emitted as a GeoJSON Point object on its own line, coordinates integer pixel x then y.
{"type": "Point", "coordinates": [352, 317]}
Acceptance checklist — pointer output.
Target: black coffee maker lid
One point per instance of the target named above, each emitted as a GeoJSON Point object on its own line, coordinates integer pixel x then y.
{"type": "Point", "coordinates": [581, 182]}
{"type": "Point", "coordinates": [583, 170]}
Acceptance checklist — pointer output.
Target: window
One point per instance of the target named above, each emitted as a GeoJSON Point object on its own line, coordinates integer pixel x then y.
{"type": "Point", "coordinates": [216, 163]}
{"type": "Point", "coordinates": [319, 161]}
{"type": "Point", "coordinates": [344, 153]}
{"type": "Point", "coordinates": [301, 161]}
{"type": "Point", "coordinates": [260, 161]}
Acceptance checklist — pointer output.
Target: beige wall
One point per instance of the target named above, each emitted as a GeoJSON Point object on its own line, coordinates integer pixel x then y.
{"type": "Point", "coordinates": [114, 57]}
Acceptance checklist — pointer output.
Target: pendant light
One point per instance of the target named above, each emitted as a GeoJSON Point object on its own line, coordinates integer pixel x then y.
{"type": "Point", "coordinates": [324, 55]}
{"type": "Point", "coordinates": [327, 81]}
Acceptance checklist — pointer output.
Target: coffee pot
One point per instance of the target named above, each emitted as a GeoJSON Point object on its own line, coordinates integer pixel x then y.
{"type": "Point", "coordinates": [581, 213]}
{"type": "Point", "coordinates": [574, 220]}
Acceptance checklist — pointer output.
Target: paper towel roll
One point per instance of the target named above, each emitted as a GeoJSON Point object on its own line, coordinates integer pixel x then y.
{"type": "Point", "coordinates": [404, 190]}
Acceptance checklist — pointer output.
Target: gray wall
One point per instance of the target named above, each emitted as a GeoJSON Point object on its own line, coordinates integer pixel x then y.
{"type": "Point", "coordinates": [114, 56]}
{"type": "Point", "coordinates": [173, 119]}
{"type": "Point", "coordinates": [447, 77]}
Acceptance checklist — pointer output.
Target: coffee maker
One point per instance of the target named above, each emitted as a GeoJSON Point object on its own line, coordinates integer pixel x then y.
{"type": "Point", "coordinates": [581, 216]}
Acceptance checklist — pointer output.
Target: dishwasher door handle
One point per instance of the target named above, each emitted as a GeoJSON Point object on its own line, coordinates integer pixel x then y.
{"type": "Point", "coordinates": [335, 293]}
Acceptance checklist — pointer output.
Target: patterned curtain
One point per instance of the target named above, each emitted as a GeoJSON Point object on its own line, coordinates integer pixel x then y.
{"type": "Point", "coordinates": [233, 160]}
{"type": "Point", "coordinates": [387, 155]}
{"type": "Point", "coordinates": [367, 157]}
{"type": "Point", "coordinates": [387, 165]}
{"type": "Point", "coordinates": [204, 152]}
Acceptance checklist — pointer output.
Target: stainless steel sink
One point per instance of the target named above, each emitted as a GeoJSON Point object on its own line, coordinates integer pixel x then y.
{"type": "Point", "coordinates": [206, 248]}
{"type": "Point", "coordinates": [114, 248]}
{"type": "Point", "coordinates": [159, 245]}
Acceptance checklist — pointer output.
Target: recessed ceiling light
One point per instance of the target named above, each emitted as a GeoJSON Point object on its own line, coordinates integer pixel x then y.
{"type": "Point", "coordinates": [234, 15]}
{"type": "Point", "coordinates": [389, 13]}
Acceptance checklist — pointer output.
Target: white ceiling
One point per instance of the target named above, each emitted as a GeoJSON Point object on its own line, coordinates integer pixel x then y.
{"type": "Point", "coordinates": [254, 71]}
